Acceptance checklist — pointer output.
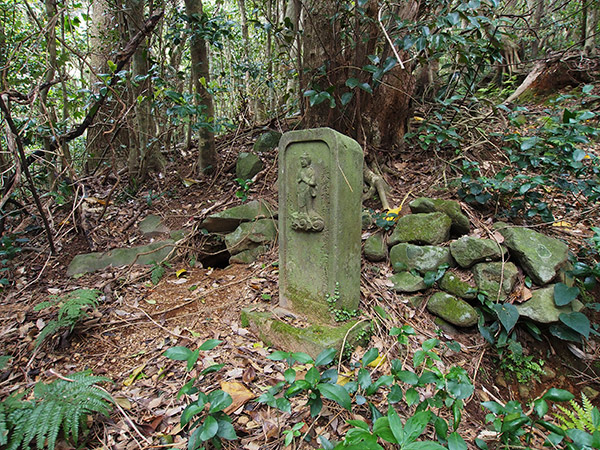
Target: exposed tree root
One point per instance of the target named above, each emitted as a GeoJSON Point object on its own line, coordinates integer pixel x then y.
{"type": "Point", "coordinates": [375, 183]}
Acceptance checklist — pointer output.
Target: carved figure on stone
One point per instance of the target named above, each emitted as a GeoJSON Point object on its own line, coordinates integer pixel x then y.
{"type": "Point", "coordinates": [305, 218]}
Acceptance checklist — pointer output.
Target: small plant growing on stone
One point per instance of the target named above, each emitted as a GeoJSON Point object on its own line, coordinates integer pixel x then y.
{"type": "Point", "coordinates": [339, 314]}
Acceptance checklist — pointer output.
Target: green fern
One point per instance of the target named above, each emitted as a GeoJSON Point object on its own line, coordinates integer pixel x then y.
{"type": "Point", "coordinates": [585, 417]}
{"type": "Point", "coordinates": [61, 405]}
{"type": "Point", "coordinates": [73, 308]}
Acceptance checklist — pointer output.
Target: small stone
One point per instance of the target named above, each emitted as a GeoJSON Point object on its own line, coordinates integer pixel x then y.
{"type": "Point", "coordinates": [469, 250]}
{"type": "Point", "coordinates": [375, 248]}
{"type": "Point", "coordinates": [367, 219]}
{"type": "Point", "coordinates": [452, 309]}
{"type": "Point", "coordinates": [548, 374]}
{"type": "Point", "coordinates": [524, 392]}
{"type": "Point", "coordinates": [267, 141]}
{"type": "Point", "coordinates": [540, 256]}
{"type": "Point", "coordinates": [460, 222]}
{"type": "Point", "coordinates": [229, 219]}
{"type": "Point", "coordinates": [247, 165]}
{"type": "Point", "coordinates": [500, 381]}
{"type": "Point", "coordinates": [445, 326]}
{"type": "Point", "coordinates": [422, 258]}
{"type": "Point", "coordinates": [452, 284]}
{"type": "Point", "coordinates": [488, 275]}
{"type": "Point", "coordinates": [590, 392]}
{"type": "Point", "coordinates": [541, 306]}
{"type": "Point", "coordinates": [248, 256]}
{"type": "Point", "coordinates": [433, 228]}
{"type": "Point", "coordinates": [407, 282]}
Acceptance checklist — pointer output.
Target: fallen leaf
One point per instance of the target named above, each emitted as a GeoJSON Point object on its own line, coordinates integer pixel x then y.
{"type": "Point", "coordinates": [135, 374]}
{"type": "Point", "coordinates": [562, 224]}
{"type": "Point", "coordinates": [249, 374]}
{"type": "Point", "coordinates": [123, 403]}
{"type": "Point", "coordinates": [239, 394]}
{"type": "Point", "coordinates": [377, 361]}
{"type": "Point", "coordinates": [180, 273]}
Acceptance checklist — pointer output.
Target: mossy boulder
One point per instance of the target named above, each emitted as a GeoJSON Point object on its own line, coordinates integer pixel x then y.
{"type": "Point", "coordinates": [375, 248]}
{"type": "Point", "coordinates": [460, 222]}
{"type": "Point", "coordinates": [470, 250]}
{"type": "Point", "coordinates": [229, 219]}
{"type": "Point", "coordinates": [541, 306]}
{"type": "Point", "coordinates": [452, 284]}
{"type": "Point", "coordinates": [407, 282]}
{"type": "Point", "coordinates": [267, 141]}
{"type": "Point", "coordinates": [247, 165]}
{"type": "Point", "coordinates": [452, 309]}
{"type": "Point", "coordinates": [432, 228]}
{"type": "Point", "coordinates": [249, 235]}
{"type": "Point", "coordinates": [153, 226]}
{"type": "Point", "coordinates": [489, 275]}
{"type": "Point", "coordinates": [540, 256]}
{"type": "Point", "coordinates": [248, 256]}
{"type": "Point", "coordinates": [422, 258]}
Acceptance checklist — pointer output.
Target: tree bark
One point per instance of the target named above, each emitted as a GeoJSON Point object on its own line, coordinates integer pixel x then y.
{"type": "Point", "coordinates": [207, 153]}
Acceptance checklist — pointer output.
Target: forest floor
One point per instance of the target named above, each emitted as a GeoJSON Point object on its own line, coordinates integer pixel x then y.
{"type": "Point", "coordinates": [136, 321]}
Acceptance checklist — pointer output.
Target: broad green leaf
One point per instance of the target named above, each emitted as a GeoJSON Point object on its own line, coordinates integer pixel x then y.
{"type": "Point", "coordinates": [352, 82]}
{"type": "Point", "coordinates": [193, 359]}
{"type": "Point", "coordinates": [383, 430]}
{"type": "Point", "coordinates": [558, 395]}
{"type": "Point", "coordinates": [529, 143]}
{"type": "Point", "coordinates": [563, 294]}
{"type": "Point", "coordinates": [302, 358]}
{"type": "Point", "coordinates": [369, 356]}
{"type": "Point", "coordinates": [278, 356]}
{"type": "Point", "coordinates": [578, 322]}
{"type": "Point", "coordinates": [226, 431]}
{"type": "Point", "coordinates": [415, 425]}
{"type": "Point", "coordinates": [565, 333]}
{"type": "Point", "coordinates": [313, 376]}
{"type": "Point", "coordinates": [190, 411]}
{"type": "Point", "coordinates": [219, 400]}
{"type": "Point", "coordinates": [209, 428]}
{"type": "Point", "coordinates": [325, 357]}
{"type": "Point", "coordinates": [346, 98]}
{"type": "Point", "coordinates": [289, 375]}
{"type": "Point", "coordinates": [455, 442]}
{"type": "Point", "coordinates": [423, 445]}
{"type": "Point", "coordinates": [411, 396]}
{"type": "Point", "coordinates": [209, 344]}
{"type": "Point", "coordinates": [364, 378]}
{"type": "Point", "coordinates": [336, 393]}
{"type": "Point", "coordinates": [507, 314]}
{"type": "Point", "coordinates": [178, 353]}
{"type": "Point", "coordinates": [540, 407]}
{"type": "Point", "coordinates": [396, 425]}
{"type": "Point", "coordinates": [395, 394]}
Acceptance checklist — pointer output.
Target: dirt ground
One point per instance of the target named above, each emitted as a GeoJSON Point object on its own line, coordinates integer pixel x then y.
{"type": "Point", "coordinates": [125, 338]}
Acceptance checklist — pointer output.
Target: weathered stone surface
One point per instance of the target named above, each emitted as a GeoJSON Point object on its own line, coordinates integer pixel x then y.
{"type": "Point", "coordinates": [488, 275]}
{"type": "Point", "coordinates": [469, 250]}
{"type": "Point", "coordinates": [152, 226]}
{"type": "Point", "coordinates": [145, 254]}
{"type": "Point", "coordinates": [267, 141]}
{"type": "Point", "coordinates": [407, 282]}
{"type": "Point", "coordinates": [422, 258]}
{"type": "Point", "coordinates": [320, 188]}
{"type": "Point", "coordinates": [367, 219]}
{"type": "Point", "coordinates": [460, 222]}
{"type": "Point", "coordinates": [452, 284]}
{"type": "Point", "coordinates": [248, 256]}
{"type": "Point", "coordinates": [375, 248]}
{"type": "Point", "coordinates": [432, 228]}
{"type": "Point", "coordinates": [540, 256]}
{"type": "Point", "coordinates": [312, 340]}
{"type": "Point", "coordinates": [251, 234]}
{"type": "Point", "coordinates": [541, 307]}
{"type": "Point", "coordinates": [452, 309]}
{"type": "Point", "coordinates": [229, 219]}
{"type": "Point", "coordinates": [247, 165]}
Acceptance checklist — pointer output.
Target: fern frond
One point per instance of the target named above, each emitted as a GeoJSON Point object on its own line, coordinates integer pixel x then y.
{"type": "Point", "coordinates": [3, 425]}
{"type": "Point", "coordinates": [578, 416]}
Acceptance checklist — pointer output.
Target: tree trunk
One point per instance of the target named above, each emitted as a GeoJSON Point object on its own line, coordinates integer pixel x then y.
{"type": "Point", "coordinates": [207, 153]}
{"type": "Point", "coordinates": [589, 47]}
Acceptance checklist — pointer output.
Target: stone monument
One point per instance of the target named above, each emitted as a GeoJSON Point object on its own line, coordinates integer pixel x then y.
{"type": "Point", "coordinates": [320, 190]}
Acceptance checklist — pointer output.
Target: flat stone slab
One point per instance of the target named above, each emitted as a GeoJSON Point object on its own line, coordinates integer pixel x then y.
{"type": "Point", "coordinates": [422, 258]}
{"type": "Point", "coordinates": [248, 256]}
{"type": "Point", "coordinates": [453, 310]}
{"type": "Point", "coordinates": [228, 220]}
{"type": "Point", "coordinates": [247, 165]}
{"type": "Point", "coordinates": [152, 226]}
{"type": "Point", "coordinates": [407, 282]}
{"type": "Point", "coordinates": [149, 254]}
{"type": "Point", "coordinates": [460, 222]}
{"type": "Point", "coordinates": [541, 306]}
{"type": "Point", "coordinates": [540, 256]}
{"type": "Point", "coordinates": [432, 229]}
{"type": "Point", "coordinates": [251, 234]}
{"type": "Point", "coordinates": [469, 250]}
{"type": "Point", "coordinates": [312, 340]}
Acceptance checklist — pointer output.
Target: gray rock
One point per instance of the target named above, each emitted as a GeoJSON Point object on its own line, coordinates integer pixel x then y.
{"type": "Point", "coordinates": [541, 307]}
{"type": "Point", "coordinates": [469, 250]}
{"type": "Point", "coordinates": [250, 234]}
{"type": "Point", "coordinates": [540, 256]}
{"type": "Point", "coordinates": [488, 275]}
{"type": "Point", "coordinates": [407, 282]}
{"type": "Point", "coordinates": [247, 165]}
{"type": "Point", "coordinates": [460, 222]}
{"type": "Point", "coordinates": [229, 219]}
{"type": "Point", "coordinates": [452, 284]}
{"type": "Point", "coordinates": [248, 256]}
{"type": "Point", "coordinates": [452, 309]}
{"type": "Point", "coordinates": [267, 141]}
{"type": "Point", "coordinates": [367, 219]}
{"type": "Point", "coordinates": [152, 226]}
{"type": "Point", "coordinates": [375, 248]}
{"type": "Point", "coordinates": [432, 228]}
{"type": "Point", "coordinates": [422, 258]}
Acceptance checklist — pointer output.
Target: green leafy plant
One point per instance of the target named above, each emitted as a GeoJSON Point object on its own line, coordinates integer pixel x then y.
{"type": "Point", "coordinates": [244, 189]}
{"type": "Point", "coordinates": [204, 417]}
{"type": "Point", "coordinates": [158, 271]}
{"type": "Point", "coordinates": [292, 433]}
{"type": "Point", "coordinates": [72, 308]}
{"type": "Point", "coordinates": [63, 405]}
{"type": "Point", "coordinates": [339, 314]}
{"type": "Point", "coordinates": [518, 365]}
{"type": "Point", "coordinates": [10, 246]}
{"type": "Point", "coordinates": [584, 416]}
